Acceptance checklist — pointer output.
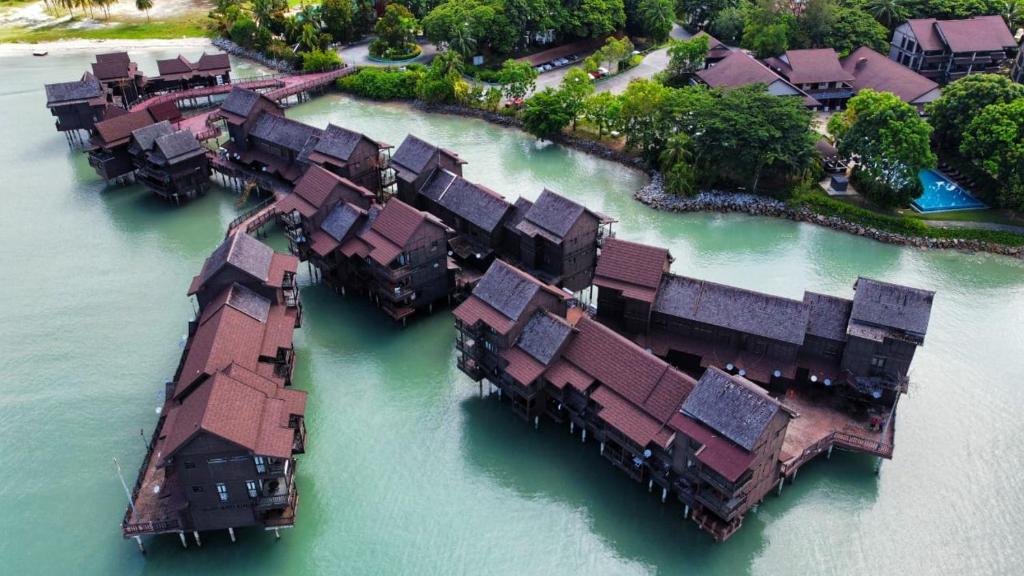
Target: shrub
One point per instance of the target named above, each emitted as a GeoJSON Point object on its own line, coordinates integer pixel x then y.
{"type": "Point", "coordinates": [383, 83]}
{"type": "Point", "coordinates": [320, 61]}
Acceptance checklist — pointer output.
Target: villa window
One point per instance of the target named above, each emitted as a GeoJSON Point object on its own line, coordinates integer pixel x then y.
{"type": "Point", "coordinates": [250, 486]}
{"type": "Point", "coordinates": [261, 464]}
{"type": "Point", "coordinates": [222, 492]}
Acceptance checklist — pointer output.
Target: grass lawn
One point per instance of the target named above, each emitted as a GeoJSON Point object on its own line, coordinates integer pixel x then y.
{"type": "Point", "coordinates": [190, 26]}
{"type": "Point", "coordinates": [993, 215]}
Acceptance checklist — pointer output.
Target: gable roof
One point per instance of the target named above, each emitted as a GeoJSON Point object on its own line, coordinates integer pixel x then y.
{"type": "Point", "coordinates": [240, 251]}
{"type": "Point", "coordinates": [391, 229]}
{"type": "Point", "coordinates": [742, 310]}
{"type": "Point", "coordinates": [215, 61]}
{"type": "Point", "coordinates": [472, 202]}
{"type": "Point", "coordinates": [977, 34]}
{"type": "Point", "coordinates": [552, 215]}
{"type": "Point", "coordinates": [285, 132]}
{"type": "Point", "coordinates": [173, 66]}
{"type": "Point", "coordinates": [147, 135]}
{"type": "Point", "coordinates": [633, 268]}
{"type": "Point", "coordinates": [543, 336]}
{"type": "Point", "coordinates": [241, 101]}
{"type": "Point", "coordinates": [316, 185]}
{"type": "Point", "coordinates": [338, 142]}
{"type": "Point", "coordinates": [506, 289]}
{"type": "Point", "coordinates": [877, 72]}
{"type": "Point", "coordinates": [878, 303]}
{"type": "Point", "coordinates": [66, 92]}
{"type": "Point", "coordinates": [112, 66]}
{"type": "Point", "coordinates": [731, 406]}
{"type": "Point", "coordinates": [414, 154]}
{"type": "Point", "coordinates": [814, 65]}
{"type": "Point", "coordinates": [828, 316]}
{"type": "Point", "coordinates": [178, 145]}
{"type": "Point", "coordinates": [341, 221]}
{"type": "Point", "coordinates": [716, 48]}
{"type": "Point", "coordinates": [737, 69]}
{"type": "Point", "coordinates": [118, 128]}
{"type": "Point", "coordinates": [251, 417]}
{"type": "Point", "coordinates": [926, 34]}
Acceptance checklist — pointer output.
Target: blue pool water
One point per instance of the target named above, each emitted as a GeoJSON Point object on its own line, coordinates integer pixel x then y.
{"type": "Point", "coordinates": [940, 194]}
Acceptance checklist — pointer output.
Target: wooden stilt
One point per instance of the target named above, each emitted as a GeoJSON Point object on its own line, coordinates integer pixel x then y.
{"type": "Point", "coordinates": [536, 422]}
{"type": "Point", "coordinates": [686, 511]}
{"type": "Point", "coordinates": [583, 436]}
{"type": "Point", "coordinates": [650, 485]}
{"type": "Point", "coordinates": [664, 494]}
{"type": "Point", "coordinates": [184, 543]}
{"type": "Point", "coordinates": [138, 539]}
{"type": "Point", "coordinates": [781, 482]}
{"type": "Point", "coordinates": [602, 448]}
{"type": "Point", "coordinates": [829, 456]}
{"type": "Point", "coordinates": [277, 533]}
{"type": "Point", "coordinates": [231, 532]}
{"type": "Point", "coordinates": [572, 427]}
{"type": "Point", "coordinates": [195, 534]}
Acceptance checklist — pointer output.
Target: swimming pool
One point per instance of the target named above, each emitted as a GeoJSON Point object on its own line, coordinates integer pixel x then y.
{"type": "Point", "coordinates": [942, 195]}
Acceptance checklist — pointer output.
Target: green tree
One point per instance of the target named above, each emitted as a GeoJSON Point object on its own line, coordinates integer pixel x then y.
{"type": "Point", "coordinates": [575, 89]}
{"type": "Point", "coordinates": [144, 6]}
{"type": "Point", "coordinates": [517, 79]}
{"type": "Point", "coordinates": [395, 31]}
{"type": "Point", "coordinates": [728, 25]}
{"type": "Point", "coordinates": [596, 18]}
{"type": "Point", "coordinates": [854, 28]}
{"type": "Point", "coordinates": [469, 26]}
{"type": "Point", "coordinates": [767, 30]}
{"type": "Point", "coordinates": [320, 61]}
{"type": "Point", "coordinates": [994, 142]}
{"type": "Point", "coordinates": [337, 19]}
{"type": "Point", "coordinates": [889, 13]}
{"type": "Point", "coordinates": [546, 114]}
{"type": "Point", "coordinates": [678, 170]}
{"type": "Point", "coordinates": [442, 82]}
{"type": "Point", "coordinates": [243, 32]}
{"type": "Point", "coordinates": [641, 116]}
{"type": "Point", "coordinates": [816, 21]}
{"type": "Point", "coordinates": [309, 38]}
{"type": "Point", "coordinates": [602, 110]}
{"type": "Point", "coordinates": [613, 53]}
{"type": "Point", "coordinates": [963, 100]}
{"type": "Point", "coordinates": [891, 141]}
{"type": "Point", "coordinates": [1013, 13]}
{"type": "Point", "coordinates": [700, 13]}
{"type": "Point", "coordinates": [656, 17]}
{"type": "Point", "coordinates": [685, 58]}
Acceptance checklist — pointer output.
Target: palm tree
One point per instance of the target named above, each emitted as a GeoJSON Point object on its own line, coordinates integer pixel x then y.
{"type": "Point", "coordinates": [449, 63]}
{"type": "Point", "coordinates": [309, 39]}
{"type": "Point", "coordinates": [888, 12]}
{"type": "Point", "coordinates": [462, 40]}
{"type": "Point", "coordinates": [676, 151]}
{"type": "Point", "coordinates": [144, 5]}
{"type": "Point", "coordinates": [1013, 12]}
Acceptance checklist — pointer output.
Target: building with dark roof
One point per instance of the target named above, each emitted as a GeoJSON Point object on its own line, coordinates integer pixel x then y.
{"type": "Point", "coordinates": [627, 276]}
{"type": "Point", "coordinates": [818, 73]}
{"type": "Point", "coordinates": [352, 155]}
{"type": "Point", "coordinates": [717, 50]}
{"type": "Point", "coordinates": [558, 240]}
{"type": "Point", "coordinates": [414, 161]}
{"type": "Point", "coordinates": [727, 450]}
{"type": "Point", "coordinates": [182, 74]}
{"type": "Point", "coordinates": [475, 212]}
{"type": "Point", "coordinates": [222, 455]}
{"type": "Point", "coordinates": [119, 76]}
{"type": "Point", "coordinates": [109, 151]}
{"type": "Point", "coordinates": [169, 162]}
{"type": "Point", "coordinates": [947, 50]}
{"type": "Point", "coordinates": [77, 105]}
{"type": "Point", "coordinates": [314, 197]}
{"type": "Point", "coordinates": [877, 72]}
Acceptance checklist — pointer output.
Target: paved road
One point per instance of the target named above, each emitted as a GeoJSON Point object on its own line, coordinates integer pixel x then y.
{"type": "Point", "coordinates": [359, 54]}
{"type": "Point", "coordinates": [653, 63]}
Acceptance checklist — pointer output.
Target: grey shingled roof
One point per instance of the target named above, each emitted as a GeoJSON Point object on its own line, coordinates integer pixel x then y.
{"type": "Point", "coordinates": [240, 101]}
{"type": "Point", "coordinates": [85, 89]}
{"type": "Point", "coordinates": [147, 135]}
{"type": "Point", "coordinates": [340, 221]}
{"type": "Point", "coordinates": [879, 303]}
{"type": "Point", "coordinates": [828, 316]}
{"type": "Point", "coordinates": [506, 289]}
{"type": "Point", "coordinates": [554, 213]}
{"type": "Point", "coordinates": [543, 336]}
{"type": "Point", "coordinates": [731, 406]}
{"type": "Point", "coordinates": [243, 252]}
{"type": "Point", "coordinates": [467, 200]}
{"type": "Point", "coordinates": [734, 308]}
{"type": "Point", "coordinates": [248, 302]}
{"type": "Point", "coordinates": [284, 132]}
{"type": "Point", "coordinates": [338, 142]}
{"type": "Point", "coordinates": [178, 144]}
{"type": "Point", "coordinates": [414, 154]}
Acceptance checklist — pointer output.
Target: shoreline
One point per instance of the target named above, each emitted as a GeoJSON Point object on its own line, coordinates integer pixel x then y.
{"type": "Point", "coordinates": [75, 45]}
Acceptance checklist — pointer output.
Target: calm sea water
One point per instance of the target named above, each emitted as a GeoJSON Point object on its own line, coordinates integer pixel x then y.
{"type": "Point", "coordinates": [406, 469]}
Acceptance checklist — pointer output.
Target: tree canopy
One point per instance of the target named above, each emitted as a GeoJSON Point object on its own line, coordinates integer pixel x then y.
{"type": "Point", "coordinates": [546, 114]}
{"type": "Point", "coordinates": [963, 100]}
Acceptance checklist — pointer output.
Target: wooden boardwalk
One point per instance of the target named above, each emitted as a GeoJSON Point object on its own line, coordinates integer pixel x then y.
{"type": "Point", "coordinates": [208, 91]}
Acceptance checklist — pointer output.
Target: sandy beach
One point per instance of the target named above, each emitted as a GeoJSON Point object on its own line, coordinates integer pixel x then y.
{"type": "Point", "coordinates": [78, 45]}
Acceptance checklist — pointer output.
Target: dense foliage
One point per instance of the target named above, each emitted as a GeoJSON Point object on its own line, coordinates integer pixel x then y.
{"type": "Point", "coordinates": [383, 83]}
{"type": "Point", "coordinates": [395, 34]}
{"type": "Point", "coordinates": [891, 143]}
{"type": "Point", "coordinates": [320, 61]}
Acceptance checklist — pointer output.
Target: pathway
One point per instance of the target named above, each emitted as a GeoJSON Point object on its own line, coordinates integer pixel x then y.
{"type": "Point", "coordinates": [359, 54]}
{"type": "Point", "coordinates": [968, 224]}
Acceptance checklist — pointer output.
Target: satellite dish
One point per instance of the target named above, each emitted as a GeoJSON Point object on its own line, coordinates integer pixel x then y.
{"type": "Point", "coordinates": [777, 374]}
{"type": "Point", "coordinates": [647, 453]}
{"type": "Point", "coordinates": [828, 381]}
{"type": "Point", "coordinates": [729, 366]}
{"type": "Point", "coordinates": [814, 378]}
{"type": "Point", "coordinates": [743, 372]}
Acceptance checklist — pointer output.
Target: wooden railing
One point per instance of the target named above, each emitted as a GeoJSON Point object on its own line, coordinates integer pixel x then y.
{"type": "Point", "coordinates": [249, 214]}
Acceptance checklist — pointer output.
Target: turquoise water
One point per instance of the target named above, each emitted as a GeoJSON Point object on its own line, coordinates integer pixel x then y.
{"type": "Point", "coordinates": [406, 469]}
{"type": "Point", "coordinates": [942, 195]}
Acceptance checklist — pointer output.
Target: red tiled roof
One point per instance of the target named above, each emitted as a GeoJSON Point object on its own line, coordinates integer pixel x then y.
{"type": "Point", "coordinates": [355, 247]}
{"type": "Point", "coordinates": [280, 264]}
{"type": "Point", "coordinates": [294, 202]}
{"type": "Point", "coordinates": [815, 65]}
{"type": "Point", "coordinates": [119, 128]}
{"type": "Point", "coordinates": [737, 69]}
{"type": "Point", "coordinates": [316, 186]}
{"type": "Point", "coordinates": [625, 417]}
{"type": "Point", "coordinates": [927, 36]}
{"type": "Point", "coordinates": [634, 268]}
{"type": "Point", "coordinates": [166, 110]}
{"type": "Point", "coordinates": [873, 70]}
{"type": "Point", "coordinates": [978, 34]}
{"type": "Point", "coordinates": [398, 221]}
{"type": "Point", "coordinates": [475, 310]}
{"type": "Point", "coordinates": [322, 243]}
{"type": "Point", "coordinates": [562, 373]}
{"type": "Point", "coordinates": [719, 453]}
{"type": "Point", "coordinates": [521, 366]}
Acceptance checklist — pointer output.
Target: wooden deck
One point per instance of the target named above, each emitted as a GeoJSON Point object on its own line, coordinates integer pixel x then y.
{"type": "Point", "coordinates": [260, 83]}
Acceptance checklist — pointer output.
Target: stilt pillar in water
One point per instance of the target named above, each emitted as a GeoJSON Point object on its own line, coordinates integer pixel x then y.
{"type": "Point", "coordinates": [277, 533]}
{"type": "Point", "coordinates": [572, 427]}
{"type": "Point", "coordinates": [583, 436]}
{"type": "Point", "coordinates": [481, 388]}
{"type": "Point", "coordinates": [686, 511]}
{"type": "Point", "coordinates": [650, 485]}
{"type": "Point", "coordinates": [878, 466]}
{"type": "Point", "coordinates": [781, 482]}
{"type": "Point", "coordinates": [793, 479]}
{"type": "Point", "coordinates": [231, 532]}
{"type": "Point", "coordinates": [138, 540]}
{"type": "Point", "coordinates": [829, 452]}
{"type": "Point", "coordinates": [664, 494]}
{"type": "Point", "coordinates": [499, 393]}
{"type": "Point", "coordinates": [195, 534]}
{"type": "Point", "coordinates": [602, 448]}
{"type": "Point", "coordinates": [536, 422]}
{"type": "Point", "coordinates": [184, 543]}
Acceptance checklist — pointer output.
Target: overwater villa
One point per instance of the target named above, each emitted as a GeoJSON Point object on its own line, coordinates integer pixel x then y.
{"type": "Point", "coordinates": [169, 162]}
{"type": "Point", "coordinates": [222, 455]}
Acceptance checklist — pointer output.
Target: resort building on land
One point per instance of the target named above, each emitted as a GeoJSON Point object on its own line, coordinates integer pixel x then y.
{"type": "Point", "coordinates": [223, 452]}
{"type": "Point", "coordinates": [741, 69]}
{"type": "Point", "coordinates": [169, 162]}
{"type": "Point", "coordinates": [818, 73]}
{"type": "Point", "coordinates": [77, 105]}
{"type": "Point", "coordinates": [548, 358]}
{"type": "Point", "coordinates": [947, 50]}
{"type": "Point", "coordinates": [873, 70]}
{"type": "Point", "coordinates": [1018, 67]}
{"type": "Point", "coordinates": [181, 74]}
{"type": "Point", "coordinates": [717, 50]}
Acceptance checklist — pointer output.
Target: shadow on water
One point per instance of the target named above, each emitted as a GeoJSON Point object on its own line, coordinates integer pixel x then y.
{"type": "Point", "coordinates": [550, 464]}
